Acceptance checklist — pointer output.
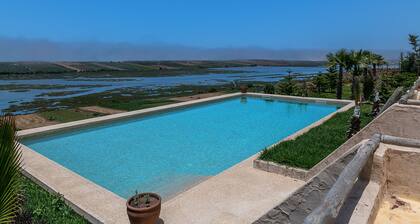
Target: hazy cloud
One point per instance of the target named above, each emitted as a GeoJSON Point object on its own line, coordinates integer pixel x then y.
{"type": "Point", "coordinates": [20, 49]}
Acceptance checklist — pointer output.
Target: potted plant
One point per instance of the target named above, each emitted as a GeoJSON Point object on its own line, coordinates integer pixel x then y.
{"type": "Point", "coordinates": [144, 208]}
{"type": "Point", "coordinates": [243, 88]}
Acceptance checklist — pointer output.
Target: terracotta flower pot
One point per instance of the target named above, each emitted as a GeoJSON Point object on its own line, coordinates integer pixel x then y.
{"type": "Point", "coordinates": [243, 88]}
{"type": "Point", "coordinates": [144, 214]}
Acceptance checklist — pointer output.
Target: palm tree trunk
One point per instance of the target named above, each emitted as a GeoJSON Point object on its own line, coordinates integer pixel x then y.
{"type": "Point", "coordinates": [353, 85]}
{"type": "Point", "coordinates": [374, 71]}
{"type": "Point", "coordinates": [340, 83]}
{"type": "Point", "coordinates": [366, 90]}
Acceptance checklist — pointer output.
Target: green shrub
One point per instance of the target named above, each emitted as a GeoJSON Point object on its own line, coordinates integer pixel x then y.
{"type": "Point", "coordinates": [269, 88]}
{"type": "Point", "coordinates": [287, 86]}
{"type": "Point", "coordinates": [10, 163]}
{"type": "Point", "coordinates": [389, 82]}
{"type": "Point", "coordinates": [40, 206]}
{"type": "Point", "coordinates": [313, 146]}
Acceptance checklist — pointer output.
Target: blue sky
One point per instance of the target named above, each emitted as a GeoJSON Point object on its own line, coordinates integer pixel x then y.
{"type": "Point", "coordinates": [272, 24]}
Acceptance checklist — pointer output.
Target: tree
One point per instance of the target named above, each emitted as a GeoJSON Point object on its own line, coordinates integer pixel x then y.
{"type": "Point", "coordinates": [377, 60]}
{"type": "Point", "coordinates": [414, 42]}
{"type": "Point", "coordinates": [339, 59]}
{"type": "Point", "coordinates": [10, 163]}
{"type": "Point", "coordinates": [287, 86]}
{"type": "Point", "coordinates": [331, 77]}
{"type": "Point", "coordinates": [368, 59]}
{"type": "Point", "coordinates": [356, 60]}
{"type": "Point", "coordinates": [320, 82]}
{"type": "Point", "coordinates": [401, 62]}
{"type": "Point", "coordinates": [269, 88]}
{"type": "Point", "coordinates": [411, 62]}
{"type": "Point", "coordinates": [413, 39]}
{"type": "Point", "coordinates": [368, 86]}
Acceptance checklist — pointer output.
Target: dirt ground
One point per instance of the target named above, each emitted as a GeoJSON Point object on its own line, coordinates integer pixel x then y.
{"type": "Point", "coordinates": [28, 121]}
{"type": "Point", "coordinates": [398, 211]}
{"type": "Point", "coordinates": [101, 110]}
{"type": "Point", "coordinates": [196, 97]}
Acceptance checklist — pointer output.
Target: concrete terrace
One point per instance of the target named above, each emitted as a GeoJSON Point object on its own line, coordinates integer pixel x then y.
{"type": "Point", "coordinates": [240, 194]}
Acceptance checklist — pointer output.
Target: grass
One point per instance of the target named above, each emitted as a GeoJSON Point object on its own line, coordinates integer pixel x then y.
{"type": "Point", "coordinates": [39, 206]}
{"type": "Point", "coordinates": [135, 104]}
{"type": "Point", "coordinates": [122, 99]}
{"type": "Point", "coordinates": [67, 115]}
{"type": "Point", "coordinates": [310, 148]}
{"type": "Point", "coordinates": [332, 94]}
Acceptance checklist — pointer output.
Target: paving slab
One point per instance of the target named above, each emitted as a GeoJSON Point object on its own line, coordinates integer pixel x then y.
{"type": "Point", "coordinates": [240, 194]}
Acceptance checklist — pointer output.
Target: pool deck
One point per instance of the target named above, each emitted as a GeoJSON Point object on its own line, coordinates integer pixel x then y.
{"type": "Point", "coordinates": [237, 195]}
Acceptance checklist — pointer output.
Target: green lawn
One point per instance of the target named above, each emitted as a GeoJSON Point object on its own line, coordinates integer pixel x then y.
{"type": "Point", "coordinates": [310, 148]}
{"type": "Point", "coordinates": [135, 104]}
{"type": "Point", "coordinates": [332, 95]}
{"type": "Point", "coordinates": [39, 206]}
{"type": "Point", "coordinates": [67, 115]}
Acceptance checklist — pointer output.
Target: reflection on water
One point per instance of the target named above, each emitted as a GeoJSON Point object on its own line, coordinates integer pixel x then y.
{"type": "Point", "coordinates": [54, 88]}
{"type": "Point", "coordinates": [244, 100]}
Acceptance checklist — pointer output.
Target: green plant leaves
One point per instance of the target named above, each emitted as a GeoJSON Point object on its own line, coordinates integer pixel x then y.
{"type": "Point", "coordinates": [10, 163]}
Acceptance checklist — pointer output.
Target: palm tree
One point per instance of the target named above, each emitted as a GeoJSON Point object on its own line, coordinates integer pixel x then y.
{"type": "Point", "coordinates": [355, 59]}
{"type": "Point", "coordinates": [368, 61]}
{"type": "Point", "coordinates": [358, 61]}
{"type": "Point", "coordinates": [414, 42]}
{"type": "Point", "coordinates": [377, 60]}
{"type": "Point", "coordinates": [10, 161]}
{"type": "Point", "coordinates": [331, 76]}
{"type": "Point", "coordinates": [340, 60]}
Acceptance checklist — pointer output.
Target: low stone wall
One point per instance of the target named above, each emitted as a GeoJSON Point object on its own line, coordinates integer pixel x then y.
{"type": "Point", "coordinates": [393, 171]}
{"type": "Point", "coordinates": [303, 201]}
{"type": "Point", "coordinates": [284, 170]}
{"type": "Point", "coordinates": [403, 172]}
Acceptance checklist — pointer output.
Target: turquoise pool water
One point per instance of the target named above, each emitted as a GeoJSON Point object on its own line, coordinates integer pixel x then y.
{"type": "Point", "coordinates": [168, 152]}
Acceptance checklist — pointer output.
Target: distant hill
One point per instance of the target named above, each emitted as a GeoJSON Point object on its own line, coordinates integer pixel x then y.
{"type": "Point", "coordinates": [15, 49]}
{"type": "Point", "coordinates": [136, 66]}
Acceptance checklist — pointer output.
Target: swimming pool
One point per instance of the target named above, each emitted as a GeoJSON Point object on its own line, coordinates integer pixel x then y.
{"type": "Point", "coordinates": [169, 151]}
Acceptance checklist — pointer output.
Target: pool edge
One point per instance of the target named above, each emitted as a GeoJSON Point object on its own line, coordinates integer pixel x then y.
{"type": "Point", "coordinates": [55, 178]}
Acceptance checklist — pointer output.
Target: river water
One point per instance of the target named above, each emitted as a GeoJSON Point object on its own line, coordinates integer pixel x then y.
{"type": "Point", "coordinates": [45, 88]}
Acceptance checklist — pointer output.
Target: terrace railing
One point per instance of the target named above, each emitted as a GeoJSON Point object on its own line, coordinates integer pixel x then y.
{"type": "Point", "coordinates": [396, 95]}
{"type": "Point", "coordinates": [330, 206]}
{"type": "Point", "coordinates": [406, 97]}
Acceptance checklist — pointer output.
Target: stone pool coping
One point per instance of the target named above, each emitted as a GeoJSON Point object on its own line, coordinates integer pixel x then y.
{"type": "Point", "coordinates": [97, 204]}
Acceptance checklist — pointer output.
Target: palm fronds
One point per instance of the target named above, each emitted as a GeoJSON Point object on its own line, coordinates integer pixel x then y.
{"type": "Point", "coordinates": [10, 163]}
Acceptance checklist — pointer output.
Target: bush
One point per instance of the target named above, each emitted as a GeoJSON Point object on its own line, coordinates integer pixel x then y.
{"type": "Point", "coordinates": [287, 86]}
{"type": "Point", "coordinates": [308, 149]}
{"type": "Point", "coordinates": [10, 163]}
{"type": "Point", "coordinates": [368, 86]}
{"type": "Point", "coordinates": [39, 206]}
{"type": "Point", "coordinates": [321, 83]}
{"type": "Point", "coordinates": [389, 82]}
{"type": "Point", "coordinates": [269, 88]}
